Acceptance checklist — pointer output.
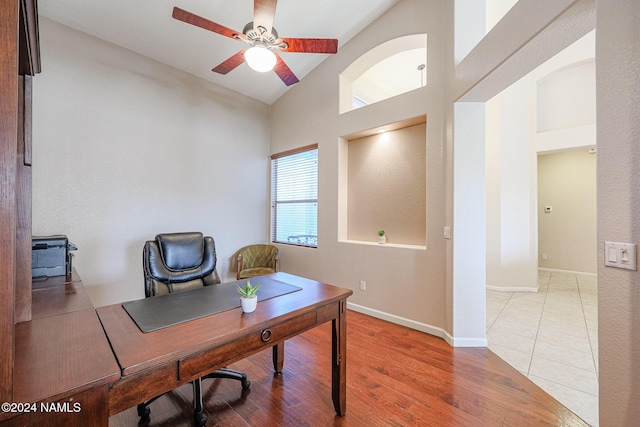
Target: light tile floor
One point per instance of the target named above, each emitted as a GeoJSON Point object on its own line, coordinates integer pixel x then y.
{"type": "Point", "coordinates": [551, 337]}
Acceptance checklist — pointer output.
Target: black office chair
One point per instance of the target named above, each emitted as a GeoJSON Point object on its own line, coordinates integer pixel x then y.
{"type": "Point", "coordinates": [177, 262]}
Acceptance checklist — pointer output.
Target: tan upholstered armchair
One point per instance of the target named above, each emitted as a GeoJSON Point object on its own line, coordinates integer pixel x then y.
{"type": "Point", "coordinates": [257, 260]}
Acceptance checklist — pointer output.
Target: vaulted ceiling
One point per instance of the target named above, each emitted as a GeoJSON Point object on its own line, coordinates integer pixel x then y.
{"type": "Point", "coordinates": [147, 27]}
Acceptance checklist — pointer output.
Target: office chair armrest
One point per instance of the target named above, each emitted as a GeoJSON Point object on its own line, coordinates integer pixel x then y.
{"type": "Point", "coordinates": [239, 259]}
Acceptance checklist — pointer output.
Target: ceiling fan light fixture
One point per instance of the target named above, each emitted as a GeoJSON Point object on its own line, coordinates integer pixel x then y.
{"type": "Point", "coordinates": [260, 59]}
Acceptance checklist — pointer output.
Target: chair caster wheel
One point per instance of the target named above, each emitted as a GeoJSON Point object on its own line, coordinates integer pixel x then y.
{"type": "Point", "coordinates": [143, 411]}
{"type": "Point", "coordinates": [246, 384]}
{"type": "Point", "coordinates": [200, 419]}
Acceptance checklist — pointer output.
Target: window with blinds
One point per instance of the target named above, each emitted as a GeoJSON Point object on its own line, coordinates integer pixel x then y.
{"type": "Point", "coordinates": [294, 197]}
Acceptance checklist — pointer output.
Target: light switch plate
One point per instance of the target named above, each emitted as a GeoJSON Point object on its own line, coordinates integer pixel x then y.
{"type": "Point", "coordinates": [620, 255]}
{"type": "Point", "coordinates": [447, 232]}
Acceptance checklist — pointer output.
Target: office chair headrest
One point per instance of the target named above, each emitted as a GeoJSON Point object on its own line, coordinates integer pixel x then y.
{"type": "Point", "coordinates": [181, 251]}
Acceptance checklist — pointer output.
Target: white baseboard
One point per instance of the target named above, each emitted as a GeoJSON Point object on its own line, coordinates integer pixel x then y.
{"type": "Point", "coordinates": [512, 288]}
{"type": "Point", "coordinates": [419, 326]}
{"type": "Point", "coordinates": [581, 273]}
{"type": "Point", "coordinates": [535, 289]}
{"type": "Point", "coordinates": [468, 342]}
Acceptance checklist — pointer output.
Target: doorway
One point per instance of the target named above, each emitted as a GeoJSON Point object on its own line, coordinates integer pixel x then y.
{"type": "Point", "coordinates": [541, 240]}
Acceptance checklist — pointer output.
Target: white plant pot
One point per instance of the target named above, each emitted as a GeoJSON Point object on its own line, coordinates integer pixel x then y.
{"type": "Point", "coordinates": [382, 239]}
{"type": "Point", "coordinates": [249, 304]}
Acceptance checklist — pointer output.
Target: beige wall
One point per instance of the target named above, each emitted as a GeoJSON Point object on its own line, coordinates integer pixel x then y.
{"type": "Point", "coordinates": [125, 148]}
{"type": "Point", "coordinates": [387, 186]}
{"type": "Point", "coordinates": [567, 234]}
{"type": "Point", "coordinates": [618, 193]}
{"type": "Point", "coordinates": [404, 284]}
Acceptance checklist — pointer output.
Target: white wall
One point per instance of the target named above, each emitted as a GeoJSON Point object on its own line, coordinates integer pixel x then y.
{"type": "Point", "coordinates": [511, 192]}
{"type": "Point", "coordinates": [403, 284]}
{"type": "Point", "coordinates": [125, 148]}
{"type": "Point", "coordinates": [469, 224]}
{"type": "Point", "coordinates": [496, 9]}
{"type": "Point", "coordinates": [470, 17]}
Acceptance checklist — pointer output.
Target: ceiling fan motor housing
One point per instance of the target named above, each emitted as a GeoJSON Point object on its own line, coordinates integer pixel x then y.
{"type": "Point", "coordinates": [260, 34]}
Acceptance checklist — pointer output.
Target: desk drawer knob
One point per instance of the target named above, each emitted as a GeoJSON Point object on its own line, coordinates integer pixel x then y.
{"type": "Point", "coordinates": [266, 335]}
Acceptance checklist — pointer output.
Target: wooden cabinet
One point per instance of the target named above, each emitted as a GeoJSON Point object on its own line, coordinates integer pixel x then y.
{"type": "Point", "coordinates": [19, 59]}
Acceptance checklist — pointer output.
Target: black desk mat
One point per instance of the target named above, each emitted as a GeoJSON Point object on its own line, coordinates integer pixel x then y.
{"type": "Point", "coordinates": [159, 312]}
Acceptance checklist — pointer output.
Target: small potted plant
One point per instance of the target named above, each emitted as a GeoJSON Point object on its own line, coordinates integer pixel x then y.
{"type": "Point", "coordinates": [382, 239]}
{"type": "Point", "coordinates": [248, 296]}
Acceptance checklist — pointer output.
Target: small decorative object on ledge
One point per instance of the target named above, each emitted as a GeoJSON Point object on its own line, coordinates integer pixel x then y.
{"type": "Point", "coordinates": [382, 239]}
{"type": "Point", "coordinates": [248, 297]}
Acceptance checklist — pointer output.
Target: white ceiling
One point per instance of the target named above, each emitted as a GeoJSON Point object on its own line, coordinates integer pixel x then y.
{"type": "Point", "coordinates": [146, 27]}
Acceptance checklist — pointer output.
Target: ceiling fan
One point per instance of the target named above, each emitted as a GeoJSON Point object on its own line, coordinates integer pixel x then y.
{"type": "Point", "coordinates": [263, 41]}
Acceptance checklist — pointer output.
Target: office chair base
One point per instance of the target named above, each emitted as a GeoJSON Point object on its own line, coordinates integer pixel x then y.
{"type": "Point", "coordinates": [231, 375]}
{"type": "Point", "coordinates": [200, 419]}
{"type": "Point", "coordinates": [143, 410]}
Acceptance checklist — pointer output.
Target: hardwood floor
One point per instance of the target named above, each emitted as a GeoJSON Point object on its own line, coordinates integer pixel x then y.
{"type": "Point", "coordinates": [395, 377]}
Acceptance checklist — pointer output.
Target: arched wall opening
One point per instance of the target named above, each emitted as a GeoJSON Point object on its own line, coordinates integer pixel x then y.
{"type": "Point", "coordinates": [389, 69]}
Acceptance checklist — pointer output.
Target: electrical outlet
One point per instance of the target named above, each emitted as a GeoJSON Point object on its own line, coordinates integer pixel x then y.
{"type": "Point", "coordinates": [544, 256]}
{"type": "Point", "coordinates": [363, 285]}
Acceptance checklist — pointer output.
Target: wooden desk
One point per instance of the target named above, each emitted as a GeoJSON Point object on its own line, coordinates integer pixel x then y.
{"type": "Point", "coordinates": [58, 295]}
{"type": "Point", "coordinates": [156, 362]}
{"type": "Point", "coordinates": [62, 355]}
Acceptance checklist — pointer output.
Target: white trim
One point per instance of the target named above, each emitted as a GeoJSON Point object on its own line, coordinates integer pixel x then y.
{"type": "Point", "coordinates": [512, 288]}
{"type": "Point", "coordinates": [527, 289]}
{"type": "Point", "coordinates": [418, 326]}
{"type": "Point", "coordinates": [581, 273]}
{"type": "Point", "coordinates": [468, 342]}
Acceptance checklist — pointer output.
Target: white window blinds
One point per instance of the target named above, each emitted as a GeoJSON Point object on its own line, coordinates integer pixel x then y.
{"type": "Point", "coordinates": [294, 197]}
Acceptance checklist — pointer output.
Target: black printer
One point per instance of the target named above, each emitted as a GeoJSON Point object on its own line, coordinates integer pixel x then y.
{"type": "Point", "coordinates": [50, 256]}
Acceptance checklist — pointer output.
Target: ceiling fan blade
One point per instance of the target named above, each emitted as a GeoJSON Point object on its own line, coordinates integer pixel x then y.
{"type": "Point", "coordinates": [263, 13]}
{"type": "Point", "coordinates": [198, 21]}
{"type": "Point", "coordinates": [230, 64]}
{"type": "Point", "coordinates": [310, 45]}
{"type": "Point", "coordinates": [284, 72]}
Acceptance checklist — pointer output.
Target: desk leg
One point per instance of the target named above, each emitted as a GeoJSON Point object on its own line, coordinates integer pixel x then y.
{"type": "Point", "coordinates": [278, 357]}
{"type": "Point", "coordinates": [339, 360]}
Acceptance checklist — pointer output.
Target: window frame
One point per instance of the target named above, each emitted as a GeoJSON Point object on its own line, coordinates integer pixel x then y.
{"type": "Point", "coordinates": [274, 202]}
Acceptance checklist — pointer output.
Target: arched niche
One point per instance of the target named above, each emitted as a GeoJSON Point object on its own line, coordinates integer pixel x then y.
{"type": "Point", "coordinates": [389, 69]}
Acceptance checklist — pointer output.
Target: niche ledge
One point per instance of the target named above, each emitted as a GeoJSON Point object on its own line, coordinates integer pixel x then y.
{"type": "Point", "coordinates": [390, 245]}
